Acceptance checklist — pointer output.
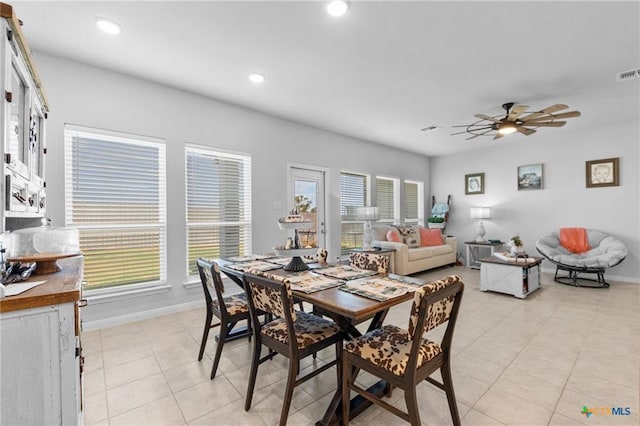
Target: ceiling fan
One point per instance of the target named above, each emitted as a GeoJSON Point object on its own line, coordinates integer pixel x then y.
{"type": "Point", "coordinates": [515, 120]}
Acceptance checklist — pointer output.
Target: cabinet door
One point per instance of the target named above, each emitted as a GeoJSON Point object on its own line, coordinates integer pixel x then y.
{"type": "Point", "coordinates": [30, 367]}
{"type": "Point", "coordinates": [18, 101]}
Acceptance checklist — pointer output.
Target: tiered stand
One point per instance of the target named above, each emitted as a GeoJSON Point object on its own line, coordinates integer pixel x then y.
{"type": "Point", "coordinates": [296, 264]}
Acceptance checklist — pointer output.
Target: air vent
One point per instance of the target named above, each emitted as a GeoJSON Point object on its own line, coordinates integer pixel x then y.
{"type": "Point", "coordinates": [431, 128]}
{"type": "Point", "coordinates": [628, 75]}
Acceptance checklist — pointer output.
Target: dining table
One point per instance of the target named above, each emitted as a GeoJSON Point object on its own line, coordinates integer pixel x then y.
{"type": "Point", "coordinates": [347, 308]}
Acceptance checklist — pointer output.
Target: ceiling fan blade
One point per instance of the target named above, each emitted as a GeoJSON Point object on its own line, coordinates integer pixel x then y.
{"type": "Point", "coordinates": [516, 111]}
{"type": "Point", "coordinates": [533, 116]}
{"type": "Point", "coordinates": [525, 131]}
{"type": "Point", "coordinates": [490, 129]}
{"type": "Point", "coordinates": [487, 117]}
{"type": "Point", "coordinates": [569, 114]}
{"type": "Point", "coordinates": [546, 123]}
{"type": "Point", "coordinates": [554, 108]}
{"type": "Point", "coordinates": [547, 113]}
{"type": "Point", "coordinates": [551, 117]}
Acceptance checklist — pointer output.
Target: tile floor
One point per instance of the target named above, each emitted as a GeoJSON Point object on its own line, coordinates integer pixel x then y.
{"type": "Point", "coordinates": [536, 361]}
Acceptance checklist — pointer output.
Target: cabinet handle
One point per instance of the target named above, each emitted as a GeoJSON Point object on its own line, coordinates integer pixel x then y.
{"type": "Point", "coordinates": [8, 96]}
{"type": "Point", "coordinates": [82, 303]}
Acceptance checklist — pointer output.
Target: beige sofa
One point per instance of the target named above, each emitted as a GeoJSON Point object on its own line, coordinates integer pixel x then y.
{"type": "Point", "coordinates": [411, 260]}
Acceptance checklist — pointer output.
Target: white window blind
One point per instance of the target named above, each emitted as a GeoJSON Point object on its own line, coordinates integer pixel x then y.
{"type": "Point", "coordinates": [353, 194]}
{"type": "Point", "coordinates": [218, 202]}
{"type": "Point", "coordinates": [387, 199]}
{"type": "Point", "coordinates": [413, 202]}
{"type": "Point", "coordinates": [115, 189]}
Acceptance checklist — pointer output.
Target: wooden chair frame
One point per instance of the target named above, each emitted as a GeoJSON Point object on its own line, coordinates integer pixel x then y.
{"type": "Point", "coordinates": [227, 321]}
{"type": "Point", "coordinates": [290, 350]}
{"type": "Point", "coordinates": [413, 375]}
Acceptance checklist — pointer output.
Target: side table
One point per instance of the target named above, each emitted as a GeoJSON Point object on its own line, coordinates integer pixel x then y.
{"type": "Point", "coordinates": [389, 253]}
{"type": "Point", "coordinates": [518, 278]}
{"type": "Point", "coordinates": [473, 251]}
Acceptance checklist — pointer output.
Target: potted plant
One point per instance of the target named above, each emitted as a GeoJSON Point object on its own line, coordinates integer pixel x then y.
{"type": "Point", "coordinates": [515, 245]}
{"type": "Point", "coordinates": [436, 222]}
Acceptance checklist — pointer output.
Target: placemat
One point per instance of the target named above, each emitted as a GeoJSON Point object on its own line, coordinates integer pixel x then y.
{"type": "Point", "coordinates": [380, 288]}
{"type": "Point", "coordinates": [247, 258]}
{"type": "Point", "coordinates": [310, 282]}
{"type": "Point", "coordinates": [256, 265]}
{"type": "Point", "coordinates": [306, 282]}
{"type": "Point", "coordinates": [345, 272]}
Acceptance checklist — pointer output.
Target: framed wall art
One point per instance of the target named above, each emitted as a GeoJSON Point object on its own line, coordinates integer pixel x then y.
{"type": "Point", "coordinates": [602, 173]}
{"type": "Point", "coordinates": [474, 184]}
{"type": "Point", "coordinates": [530, 177]}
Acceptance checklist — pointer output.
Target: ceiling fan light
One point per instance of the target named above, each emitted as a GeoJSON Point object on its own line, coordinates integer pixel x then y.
{"type": "Point", "coordinates": [506, 129]}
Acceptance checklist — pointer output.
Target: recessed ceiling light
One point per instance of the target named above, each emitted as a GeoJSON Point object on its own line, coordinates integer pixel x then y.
{"type": "Point", "coordinates": [337, 7]}
{"type": "Point", "coordinates": [107, 25]}
{"type": "Point", "coordinates": [256, 78]}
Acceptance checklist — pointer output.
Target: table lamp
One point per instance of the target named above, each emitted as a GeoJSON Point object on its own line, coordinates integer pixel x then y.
{"type": "Point", "coordinates": [367, 214]}
{"type": "Point", "coordinates": [480, 213]}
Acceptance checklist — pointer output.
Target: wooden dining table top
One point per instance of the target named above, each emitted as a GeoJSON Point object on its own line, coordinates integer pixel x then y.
{"type": "Point", "coordinates": [347, 305]}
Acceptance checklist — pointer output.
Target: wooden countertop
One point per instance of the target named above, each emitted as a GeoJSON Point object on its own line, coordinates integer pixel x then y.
{"type": "Point", "coordinates": [60, 287]}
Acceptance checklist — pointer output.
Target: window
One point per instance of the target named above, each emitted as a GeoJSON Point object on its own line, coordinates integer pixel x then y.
{"type": "Point", "coordinates": [115, 197]}
{"type": "Point", "coordinates": [353, 194]}
{"type": "Point", "coordinates": [218, 201]}
{"type": "Point", "coordinates": [388, 199]}
{"type": "Point", "coordinates": [413, 202]}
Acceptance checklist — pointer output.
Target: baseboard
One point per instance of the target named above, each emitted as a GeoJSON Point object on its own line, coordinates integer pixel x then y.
{"type": "Point", "coordinates": [138, 316]}
{"type": "Point", "coordinates": [608, 277]}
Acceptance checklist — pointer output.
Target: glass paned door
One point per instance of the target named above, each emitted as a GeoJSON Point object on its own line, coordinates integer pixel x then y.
{"type": "Point", "coordinates": [308, 198]}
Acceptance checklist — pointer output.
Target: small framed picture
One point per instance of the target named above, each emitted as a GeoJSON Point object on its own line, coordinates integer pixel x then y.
{"type": "Point", "coordinates": [530, 177]}
{"type": "Point", "coordinates": [602, 173]}
{"type": "Point", "coordinates": [474, 184]}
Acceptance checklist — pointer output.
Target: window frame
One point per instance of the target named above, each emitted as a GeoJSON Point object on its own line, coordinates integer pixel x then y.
{"type": "Point", "coordinates": [396, 201]}
{"type": "Point", "coordinates": [366, 202]}
{"type": "Point", "coordinates": [248, 219]}
{"type": "Point", "coordinates": [107, 292]}
{"type": "Point", "coordinates": [419, 220]}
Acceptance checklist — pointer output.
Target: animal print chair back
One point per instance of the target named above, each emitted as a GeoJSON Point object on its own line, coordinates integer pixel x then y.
{"type": "Point", "coordinates": [370, 262]}
{"type": "Point", "coordinates": [438, 312]}
{"type": "Point", "coordinates": [269, 299]}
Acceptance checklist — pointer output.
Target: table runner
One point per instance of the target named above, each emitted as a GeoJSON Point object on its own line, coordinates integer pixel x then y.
{"type": "Point", "coordinates": [345, 272]}
{"type": "Point", "coordinates": [381, 288]}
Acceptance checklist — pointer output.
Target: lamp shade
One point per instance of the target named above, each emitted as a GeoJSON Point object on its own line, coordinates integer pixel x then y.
{"type": "Point", "coordinates": [480, 213]}
{"type": "Point", "coordinates": [367, 213]}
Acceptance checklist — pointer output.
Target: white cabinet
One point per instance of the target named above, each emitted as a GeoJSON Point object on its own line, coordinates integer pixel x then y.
{"type": "Point", "coordinates": [41, 357]}
{"type": "Point", "coordinates": [23, 112]}
{"type": "Point", "coordinates": [39, 366]}
{"type": "Point", "coordinates": [517, 279]}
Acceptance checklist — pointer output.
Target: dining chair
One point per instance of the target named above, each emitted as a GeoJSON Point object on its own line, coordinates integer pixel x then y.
{"type": "Point", "coordinates": [293, 334]}
{"type": "Point", "coordinates": [228, 310]}
{"type": "Point", "coordinates": [404, 358]}
{"type": "Point", "coordinates": [369, 261]}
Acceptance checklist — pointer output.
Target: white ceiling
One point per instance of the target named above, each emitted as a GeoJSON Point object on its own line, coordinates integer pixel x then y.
{"type": "Point", "coordinates": [381, 73]}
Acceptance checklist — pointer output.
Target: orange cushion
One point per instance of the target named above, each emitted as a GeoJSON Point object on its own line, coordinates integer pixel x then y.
{"type": "Point", "coordinates": [430, 237]}
{"type": "Point", "coordinates": [393, 237]}
{"type": "Point", "coordinates": [574, 239]}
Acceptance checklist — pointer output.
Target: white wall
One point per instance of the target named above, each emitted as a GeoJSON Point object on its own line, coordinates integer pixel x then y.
{"type": "Point", "coordinates": [564, 202]}
{"type": "Point", "coordinates": [87, 96]}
